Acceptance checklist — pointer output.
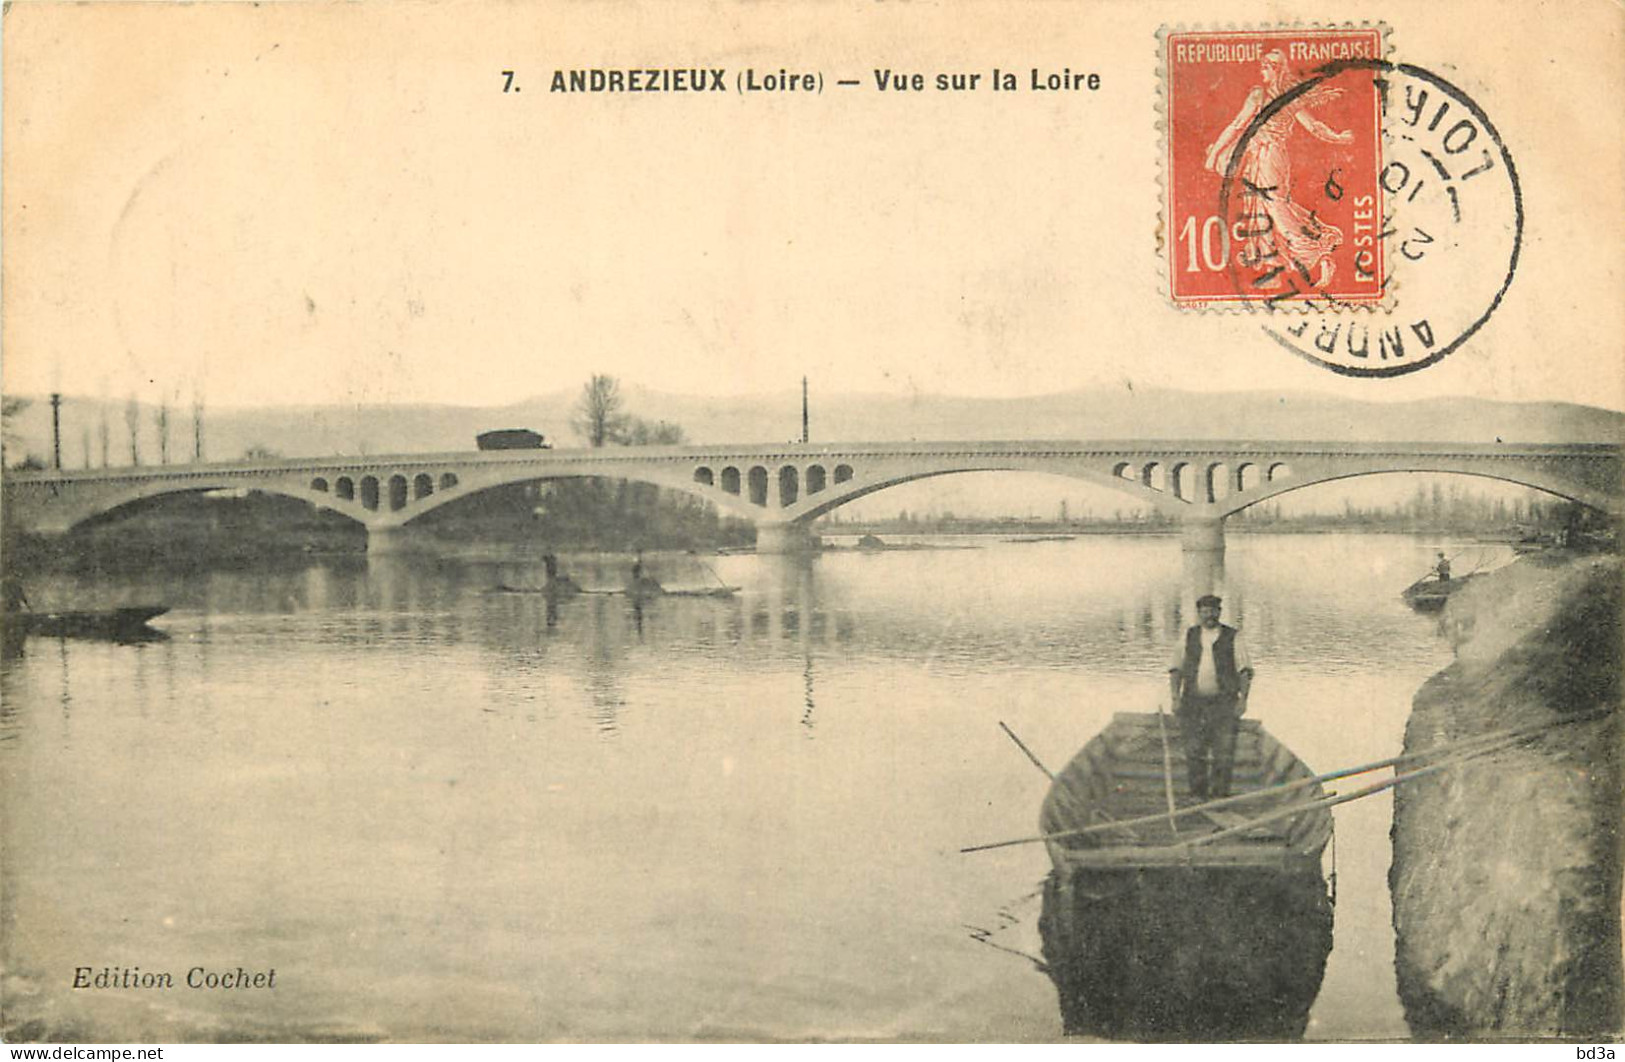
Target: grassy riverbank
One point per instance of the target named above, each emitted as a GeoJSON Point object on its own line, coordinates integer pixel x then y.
{"type": "Point", "coordinates": [1506, 870]}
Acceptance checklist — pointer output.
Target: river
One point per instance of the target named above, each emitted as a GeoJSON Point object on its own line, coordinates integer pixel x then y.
{"type": "Point", "coordinates": [443, 813]}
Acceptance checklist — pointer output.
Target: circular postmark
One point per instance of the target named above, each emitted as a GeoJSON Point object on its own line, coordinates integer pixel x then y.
{"type": "Point", "coordinates": [1381, 264]}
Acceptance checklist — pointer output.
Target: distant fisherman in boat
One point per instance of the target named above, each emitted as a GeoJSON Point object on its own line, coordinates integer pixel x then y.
{"type": "Point", "coordinates": [1442, 568]}
{"type": "Point", "coordinates": [557, 583]}
{"type": "Point", "coordinates": [642, 584]}
{"type": "Point", "coordinates": [1209, 678]}
{"type": "Point", "coordinates": [16, 599]}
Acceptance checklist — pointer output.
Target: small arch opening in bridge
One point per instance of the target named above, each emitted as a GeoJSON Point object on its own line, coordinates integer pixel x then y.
{"type": "Point", "coordinates": [789, 486]}
{"type": "Point", "coordinates": [448, 481]}
{"type": "Point", "coordinates": [1182, 481]}
{"type": "Point", "coordinates": [422, 485]}
{"type": "Point", "coordinates": [758, 485]}
{"type": "Point", "coordinates": [730, 480]}
{"type": "Point", "coordinates": [1278, 471]}
{"type": "Point", "coordinates": [1124, 470]}
{"type": "Point", "coordinates": [1217, 487]}
{"type": "Point", "coordinates": [319, 484]}
{"type": "Point", "coordinates": [344, 487]}
{"type": "Point", "coordinates": [704, 475]}
{"type": "Point", "coordinates": [815, 478]}
{"type": "Point", "coordinates": [843, 473]}
{"type": "Point", "coordinates": [369, 492]}
{"type": "Point", "coordinates": [1154, 476]}
{"type": "Point", "coordinates": [397, 492]}
{"type": "Point", "coordinates": [1247, 476]}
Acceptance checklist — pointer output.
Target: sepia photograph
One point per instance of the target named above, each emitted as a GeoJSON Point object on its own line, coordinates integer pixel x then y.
{"type": "Point", "coordinates": [795, 522]}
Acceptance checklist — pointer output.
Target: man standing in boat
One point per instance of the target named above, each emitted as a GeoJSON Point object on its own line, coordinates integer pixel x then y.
{"type": "Point", "coordinates": [1442, 568]}
{"type": "Point", "coordinates": [1209, 678]}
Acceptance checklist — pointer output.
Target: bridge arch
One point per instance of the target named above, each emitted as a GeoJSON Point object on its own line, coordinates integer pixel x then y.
{"type": "Point", "coordinates": [813, 509]}
{"type": "Point", "coordinates": [1277, 489]}
{"type": "Point", "coordinates": [678, 479]}
{"type": "Point", "coordinates": [111, 505]}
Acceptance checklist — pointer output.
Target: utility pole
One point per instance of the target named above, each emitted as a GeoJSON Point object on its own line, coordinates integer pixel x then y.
{"type": "Point", "coordinates": [803, 409]}
{"type": "Point", "coordinates": [56, 431]}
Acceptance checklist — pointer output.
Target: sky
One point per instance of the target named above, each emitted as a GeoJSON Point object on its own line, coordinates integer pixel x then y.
{"type": "Point", "coordinates": [311, 203]}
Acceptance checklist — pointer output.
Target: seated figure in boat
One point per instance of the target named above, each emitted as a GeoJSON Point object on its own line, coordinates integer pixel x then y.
{"type": "Point", "coordinates": [1210, 675]}
{"type": "Point", "coordinates": [642, 584]}
{"type": "Point", "coordinates": [557, 583]}
{"type": "Point", "coordinates": [1441, 568]}
{"type": "Point", "coordinates": [16, 597]}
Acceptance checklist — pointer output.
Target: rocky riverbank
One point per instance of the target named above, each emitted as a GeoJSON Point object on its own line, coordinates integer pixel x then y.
{"type": "Point", "coordinates": [1506, 869]}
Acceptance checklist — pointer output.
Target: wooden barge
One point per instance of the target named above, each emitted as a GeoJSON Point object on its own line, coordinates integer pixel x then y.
{"type": "Point", "coordinates": [1149, 936]}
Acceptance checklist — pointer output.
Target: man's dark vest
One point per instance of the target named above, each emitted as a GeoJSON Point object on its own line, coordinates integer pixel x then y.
{"type": "Point", "coordinates": [1224, 660]}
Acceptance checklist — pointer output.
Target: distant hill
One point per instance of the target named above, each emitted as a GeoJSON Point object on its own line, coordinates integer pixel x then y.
{"type": "Point", "coordinates": [776, 417]}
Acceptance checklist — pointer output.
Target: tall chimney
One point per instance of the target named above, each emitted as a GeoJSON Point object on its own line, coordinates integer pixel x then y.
{"type": "Point", "coordinates": [803, 409]}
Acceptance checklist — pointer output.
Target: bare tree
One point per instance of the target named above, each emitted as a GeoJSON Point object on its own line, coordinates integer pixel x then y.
{"type": "Point", "coordinates": [599, 417]}
{"type": "Point", "coordinates": [10, 409]}
{"type": "Point", "coordinates": [197, 426]}
{"type": "Point", "coordinates": [104, 434]}
{"type": "Point", "coordinates": [640, 432]}
{"type": "Point", "coordinates": [132, 421]}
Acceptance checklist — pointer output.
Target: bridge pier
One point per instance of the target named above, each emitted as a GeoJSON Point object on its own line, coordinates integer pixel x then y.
{"type": "Point", "coordinates": [1201, 540]}
{"type": "Point", "coordinates": [786, 538]}
{"type": "Point", "coordinates": [384, 541]}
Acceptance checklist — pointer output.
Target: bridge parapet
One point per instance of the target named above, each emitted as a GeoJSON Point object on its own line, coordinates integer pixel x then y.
{"type": "Point", "coordinates": [792, 484]}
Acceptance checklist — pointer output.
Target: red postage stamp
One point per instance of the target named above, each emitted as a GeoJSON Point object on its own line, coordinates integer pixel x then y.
{"type": "Point", "coordinates": [1274, 149]}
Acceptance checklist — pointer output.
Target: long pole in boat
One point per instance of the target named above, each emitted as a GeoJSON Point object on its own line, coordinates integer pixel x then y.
{"type": "Point", "coordinates": [1334, 799]}
{"type": "Point", "coordinates": [1467, 746]}
{"type": "Point", "coordinates": [1167, 770]}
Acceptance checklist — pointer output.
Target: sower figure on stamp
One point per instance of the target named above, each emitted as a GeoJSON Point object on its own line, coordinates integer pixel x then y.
{"type": "Point", "coordinates": [1209, 678]}
{"type": "Point", "coordinates": [1279, 229]}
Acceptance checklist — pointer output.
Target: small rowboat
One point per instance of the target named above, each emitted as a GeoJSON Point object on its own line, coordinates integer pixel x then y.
{"type": "Point", "coordinates": [561, 587]}
{"type": "Point", "coordinates": [1150, 937]}
{"type": "Point", "coordinates": [115, 623]}
{"type": "Point", "coordinates": [1431, 594]}
{"type": "Point", "coordinates": [647, 591]}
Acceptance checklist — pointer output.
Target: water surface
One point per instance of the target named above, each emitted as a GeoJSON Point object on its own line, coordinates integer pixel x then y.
{"type": "Point", "coordinates": [445, 813]}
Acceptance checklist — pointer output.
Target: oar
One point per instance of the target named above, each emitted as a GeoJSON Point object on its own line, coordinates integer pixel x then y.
{"type": "Point", "coordinates": [1036, 762]}
{"type": "Point", "coordinates": [1288, 787]}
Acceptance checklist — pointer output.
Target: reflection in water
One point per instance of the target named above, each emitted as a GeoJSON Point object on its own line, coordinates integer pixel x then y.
{"type": "Point", "coordinates": [328, 752]}
{"type": "Point", "coordinates": [807, 694]}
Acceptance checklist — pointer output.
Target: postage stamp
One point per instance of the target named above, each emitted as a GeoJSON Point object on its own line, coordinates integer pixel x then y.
{"type": "Point", "coordinates": [1274, 145]}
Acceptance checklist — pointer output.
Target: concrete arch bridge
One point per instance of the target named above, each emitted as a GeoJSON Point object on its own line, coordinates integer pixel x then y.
{"type": "Point", "coordinates": [783, 488]}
